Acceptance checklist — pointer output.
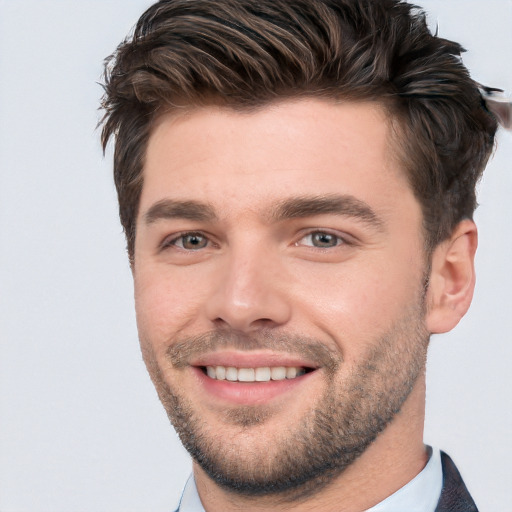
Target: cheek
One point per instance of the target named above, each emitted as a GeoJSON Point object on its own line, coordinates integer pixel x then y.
{"type": "Point", "coordinates": [361, 300]}
{"type": "Point", "coordinates": [164, 306]}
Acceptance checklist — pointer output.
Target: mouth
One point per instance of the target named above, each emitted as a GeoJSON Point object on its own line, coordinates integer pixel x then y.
{"type": "Point", "coordinates": [246, 385]}
{"type": "Point", "coordinates": [257, 374]}
{"type": "Point", "coordinates": [232, 378]}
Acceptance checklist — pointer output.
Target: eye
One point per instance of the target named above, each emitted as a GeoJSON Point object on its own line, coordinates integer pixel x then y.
{"type": "Point", "coordinates": [188, 241]}
{"type": "Point", "coordinates": [321, 239]}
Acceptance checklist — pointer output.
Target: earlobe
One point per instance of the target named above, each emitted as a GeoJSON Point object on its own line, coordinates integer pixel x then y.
{"type": "Point", "coordinates": [452, 278]}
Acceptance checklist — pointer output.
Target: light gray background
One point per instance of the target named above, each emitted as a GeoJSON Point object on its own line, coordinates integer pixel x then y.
{"type": "Point", "coordinates": [81, 429]}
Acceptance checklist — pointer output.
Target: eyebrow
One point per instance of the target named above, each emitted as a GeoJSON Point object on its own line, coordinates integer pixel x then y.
{"type": "Point", "coordinates": [174, 209]}
{"type": "Point", "coordinates": [297, 207]}
{"type": "Point", "coordinates": [344, 205]}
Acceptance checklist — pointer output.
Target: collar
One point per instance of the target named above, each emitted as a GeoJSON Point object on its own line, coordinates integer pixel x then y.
{"type": "Point", "coordinates": [190, 501]}
{"type": "Point", "coordinates": [421, 494]}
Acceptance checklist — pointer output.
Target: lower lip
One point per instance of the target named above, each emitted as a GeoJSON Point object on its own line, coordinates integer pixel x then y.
{"type": "Point", "coordinates": [248, 393]}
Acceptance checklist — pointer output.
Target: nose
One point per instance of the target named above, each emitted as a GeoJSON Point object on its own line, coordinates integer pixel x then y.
{"type": "Point", "coordinates": [250, 292]}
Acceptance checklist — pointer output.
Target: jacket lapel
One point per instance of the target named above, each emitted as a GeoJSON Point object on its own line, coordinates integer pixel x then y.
{"type": "Point", "coordinates": [454, 495]}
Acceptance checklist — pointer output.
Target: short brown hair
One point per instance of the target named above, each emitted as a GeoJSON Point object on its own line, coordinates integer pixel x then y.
{"type": "Point", "coordinates": [248, 53]}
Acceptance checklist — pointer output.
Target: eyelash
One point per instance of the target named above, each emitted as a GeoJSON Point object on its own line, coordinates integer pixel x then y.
{"type": "Point", "coordinates": [171, 242]}
{"type": "Point", "coordinates": [340, 240]}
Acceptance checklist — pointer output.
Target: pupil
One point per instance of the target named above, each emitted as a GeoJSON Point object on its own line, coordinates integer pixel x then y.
{"type": "Point", "coordinates": [193, 242]}
{"type": "Point", "coordinates": [324, 240]}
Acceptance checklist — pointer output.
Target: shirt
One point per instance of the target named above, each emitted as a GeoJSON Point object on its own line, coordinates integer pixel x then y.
{"type": "Point", "coordinates": [421, 494]}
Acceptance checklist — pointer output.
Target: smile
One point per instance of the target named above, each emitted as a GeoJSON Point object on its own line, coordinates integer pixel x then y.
{"type": "Point", "coordinates": [259, 374]}
{"type": "Point", "coordinates": [249, 379]}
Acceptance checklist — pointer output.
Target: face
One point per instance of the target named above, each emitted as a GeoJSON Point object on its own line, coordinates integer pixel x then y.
{"type": "Point", "coordinates": [279, 282]}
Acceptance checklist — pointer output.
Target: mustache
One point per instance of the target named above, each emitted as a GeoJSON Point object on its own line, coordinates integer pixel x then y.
{"type": "Point", "coordinates": [181, 352]}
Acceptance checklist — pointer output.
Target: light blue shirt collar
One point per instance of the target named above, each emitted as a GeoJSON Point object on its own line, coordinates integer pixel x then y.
{"type": "Point", "coordinates": [190, 501]}
{"type": "Point", "coordinates": [421, 494]}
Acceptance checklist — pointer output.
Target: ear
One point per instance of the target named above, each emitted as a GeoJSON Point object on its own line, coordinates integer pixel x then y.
{"type": "Point", "coordinates": [452, 278]}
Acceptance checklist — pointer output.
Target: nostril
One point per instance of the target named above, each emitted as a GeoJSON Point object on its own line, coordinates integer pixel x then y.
{"type": "Point", "coordinates": [244, 324]}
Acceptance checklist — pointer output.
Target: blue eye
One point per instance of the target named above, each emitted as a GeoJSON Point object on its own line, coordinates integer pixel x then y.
{"type": "Point", "coordinates": [321, 239]}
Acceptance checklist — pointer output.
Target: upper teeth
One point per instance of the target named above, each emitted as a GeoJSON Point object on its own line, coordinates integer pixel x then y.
{"type": "Point", "coordinates": [263, 374]}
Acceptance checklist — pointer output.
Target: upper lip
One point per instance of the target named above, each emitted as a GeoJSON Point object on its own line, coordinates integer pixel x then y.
{"type": "Point", "coordinates": [256, 359]}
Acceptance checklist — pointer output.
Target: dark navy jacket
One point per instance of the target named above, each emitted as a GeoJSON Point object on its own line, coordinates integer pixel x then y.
{"type": "Point", "coordinates": [454, 494]}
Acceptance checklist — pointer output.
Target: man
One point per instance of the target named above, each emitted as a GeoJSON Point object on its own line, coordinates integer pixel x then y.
{"type": "Point", "coordinates": [296, 182]}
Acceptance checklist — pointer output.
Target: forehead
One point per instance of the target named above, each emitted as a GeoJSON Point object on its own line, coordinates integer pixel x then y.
{"type": "Point", "coordinates": [301, 147]}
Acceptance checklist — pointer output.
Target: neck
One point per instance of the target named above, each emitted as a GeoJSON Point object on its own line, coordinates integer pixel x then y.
{"type": "Point", "coordinates": [391, 461]}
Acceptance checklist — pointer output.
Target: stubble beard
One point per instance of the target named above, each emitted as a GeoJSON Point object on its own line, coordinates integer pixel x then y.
{"type": "Point", "coordinates": [358, 403]}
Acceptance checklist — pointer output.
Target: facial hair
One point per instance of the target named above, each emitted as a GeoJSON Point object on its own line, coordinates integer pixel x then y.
{"type": "Point", "coordinates": [357, 404]}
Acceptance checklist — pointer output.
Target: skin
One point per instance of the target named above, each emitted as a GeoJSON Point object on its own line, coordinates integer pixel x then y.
{"type": "Point", "coordinates": [256, 273]}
